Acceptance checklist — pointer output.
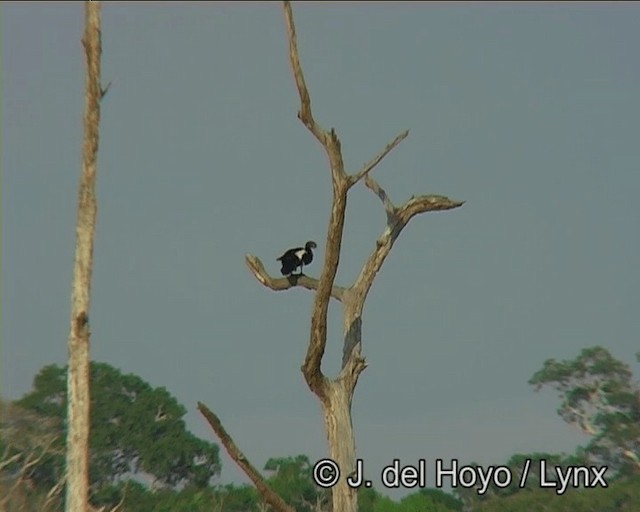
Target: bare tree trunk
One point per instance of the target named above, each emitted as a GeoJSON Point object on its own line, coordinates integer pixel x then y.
{"type": "Point", "coordinates": [78, 397]}
{"type": "Point", "coordinates": [335, 395]}
{"type": "Point", "coordinates": [342, 445]}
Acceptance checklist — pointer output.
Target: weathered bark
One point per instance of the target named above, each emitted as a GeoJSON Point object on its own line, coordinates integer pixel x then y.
{"type": "Point", "coordinates": [336, 409]}
{"type": "Point", "coordinates": [77, 490]}
{"type": "Point", "coordinates": [336, 395]}
{"type": "Point", "coordinates": [234, 452]}
{"type": "Point", "coordinates": [286, 283]}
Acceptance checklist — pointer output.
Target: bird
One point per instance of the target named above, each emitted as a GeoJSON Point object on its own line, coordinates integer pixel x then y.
{"type": "Point", "coordinates": [296, 257]}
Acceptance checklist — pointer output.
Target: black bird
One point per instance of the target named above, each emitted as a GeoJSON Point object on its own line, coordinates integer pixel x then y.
{"type": "Point", "coordinates": [297, 257]}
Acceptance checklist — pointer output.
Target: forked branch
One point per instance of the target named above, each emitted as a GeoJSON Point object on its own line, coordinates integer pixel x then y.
{"type": "Point", "coordinates": [397, 219]}
{"type": "Point", "coordinates": [336, 394]}
{"type": "Point", "coordinates": [238, 457]}
{"type": "Point", "coordinates": [329, 140]}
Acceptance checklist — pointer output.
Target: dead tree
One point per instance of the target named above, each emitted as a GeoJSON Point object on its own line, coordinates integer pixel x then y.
{"type": "Point", "coordinates": [78, 398]}
{"type": "Point", "coordinates": [28, 438]}
{"type": "Point", "coordinates": [336, 394]}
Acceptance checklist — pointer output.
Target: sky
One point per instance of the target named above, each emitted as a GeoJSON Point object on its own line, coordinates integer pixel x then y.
{"type": "Point", "coordinates": [528, 112]}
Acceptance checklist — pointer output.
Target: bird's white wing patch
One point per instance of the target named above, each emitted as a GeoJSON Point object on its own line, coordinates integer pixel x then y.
{"type": "Point", "coordinates": [300, 253]}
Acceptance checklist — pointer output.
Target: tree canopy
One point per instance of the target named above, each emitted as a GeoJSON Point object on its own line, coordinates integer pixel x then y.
{"type": "Point", "coordinates": [143, 457]}
{"type": "Point", "coordinates": [598, 396]}
{"type": "Point", "coordinates": [135, 429]}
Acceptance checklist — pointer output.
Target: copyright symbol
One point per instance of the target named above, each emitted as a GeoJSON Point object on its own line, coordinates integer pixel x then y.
{"type": "Point", "coordinates": [326, 473]}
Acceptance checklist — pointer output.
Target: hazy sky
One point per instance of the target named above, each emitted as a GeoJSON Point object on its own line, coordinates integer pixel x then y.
{"type": "Point", "coordinates": [527, 112]}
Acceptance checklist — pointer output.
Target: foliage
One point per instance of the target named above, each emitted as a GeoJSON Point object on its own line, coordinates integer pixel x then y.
{"type": "Point", "coordinates": [425, 500]}
{"type": "Point", "coordinates": [138, 431]}
{"type": "Point", "coordinates": [623, 495]}
{"type": "Point", "coordinates": [516, 464]}
{"type": "Point", "coordinates": [293, 482]}
{"type": "Point", "coordinates": [599, 396]}
{"type": "Point", "coordinates": [238, 498]}
{"type": "Point", "coordinates": [28, 443]}
{"type": "Point", "coordinates": [139, 498]}
{"type": "Point", "coordinates": [135, 429]}
{"type": "Point", "coordinates": [430, 500]}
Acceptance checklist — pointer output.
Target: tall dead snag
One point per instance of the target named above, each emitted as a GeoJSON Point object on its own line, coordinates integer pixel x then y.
{"type": "Point", "coordinates": [77, 491]}
{"type": "Point", "coordinates": [336, 394]}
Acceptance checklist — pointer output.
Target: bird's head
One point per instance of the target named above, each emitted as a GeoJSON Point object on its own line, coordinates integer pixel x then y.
{"type": "Point", "coordinates": [310, 245]}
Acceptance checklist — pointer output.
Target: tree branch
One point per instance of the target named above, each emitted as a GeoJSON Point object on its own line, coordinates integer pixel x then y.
{"type": "Point", "coordinates": [328, 139]}
{"type": "Point", "coordinates": [105, 90]}
{"type": "Point", "coordinates": [369, 166]}
{"type": "Point", "coordinates": [55, 491]}
{"type": "Point", "coordinates": [423, 204]}
{"type": "Point", "coordinates": [397, 219]}
{"type": "Point", "coordinates": [30, 459]}
{"type": "Point", "coordinates": [389, 207]}
{"type": "Point", "coordinates": [234, 452]}
{"type": "Point", "coordinates": [286, 283]}
{"type": "Point", "coordinates": [340, 183]}
{"type": "Point", "coordinates": [304, 114]}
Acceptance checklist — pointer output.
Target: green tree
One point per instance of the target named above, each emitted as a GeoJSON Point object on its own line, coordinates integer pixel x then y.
{"type": "Point", "coordinates": [622, 495]}
{"type": "Point", "coordinates": [385, 504]}
{"type": "Point", "coordinates": [135, 429]}
{"type": "Point", "coordinates": [367, 498]}
{"type": "Point", "coordinates": [292, 480]}
{"type": "Point", "coordinates": [234, 498]}
{"type": "Point", "coordinates": [516, 465]}
{"type": "Point", "coordinates": [431, 500]}
{"type": "Point", "coordinates": [599, 396]}
{"type": "Point", "coordinates": [29, 442]}
{"type": "Point", "coordinates": [139, 498]}
{"type": "Point", "coordinates": [425, 500]}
